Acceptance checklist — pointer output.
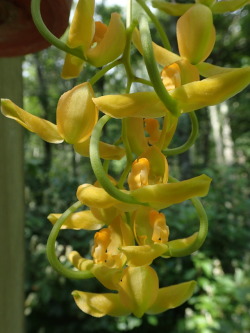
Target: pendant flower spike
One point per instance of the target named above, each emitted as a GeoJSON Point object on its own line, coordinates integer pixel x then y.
{"type": "Point", "coordinates": [100, 44]}
{"type": "Point", "coordinates": [130, 229]}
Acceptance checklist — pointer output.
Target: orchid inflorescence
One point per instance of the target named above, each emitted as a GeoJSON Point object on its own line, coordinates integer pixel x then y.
{"type": "Point", "coordinates": [131, 230]}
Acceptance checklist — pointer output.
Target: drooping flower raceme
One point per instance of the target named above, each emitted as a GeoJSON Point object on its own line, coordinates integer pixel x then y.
{"type": "Point", "coordinates": [126, 212]}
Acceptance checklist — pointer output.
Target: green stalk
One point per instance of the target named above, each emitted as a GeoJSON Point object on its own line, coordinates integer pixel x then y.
{"type": "Point", "coordinates": [152, 68]}
{"type": "Point", "coordinates": [98, 169]}
{"type": "Point", "coordinates": [200, 235]}
{"type": "Point", "coordinates": [52, 39]}
{"type": "Point", "coordinates": [190, 141]}
{"type": "Point", "coordinates": [50, 249]}
{"type": "Point", "coordinates": [154, 19]}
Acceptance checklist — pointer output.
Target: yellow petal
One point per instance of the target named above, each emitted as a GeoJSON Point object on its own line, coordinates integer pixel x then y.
{"type": "Point", "coordinates": [76, 113]}
{"type": "Point", "coordinates": [171, 297]}
{"type": "Point", "coordinates": [158, 172]}
{"type": "Point", "coordinates": [44, 128]}
{"type": "Point", "coordinates": [207, 70]}
{"type": "Point", "coordinates": [112, 44]}
{"type": "Point", "coordinates": [188, 72]}
{"type": "Point", "coordinates": [174, 9]}
{"type": "Point", "coordinates": [96, 197]}
{"type": "Point", "coordinates": [140, 105]}
{"type": "Point", "coordinates": [162, 56]}
{"type": "Point", "coordinates": [99, 305]}
{"type": "Point", "coordinates": [138, 289]}
{"type": "Point", "coordinates": [178, 247]}
{"type": "Point", "coordinates": [109, 277]}
{"type": "Point", "coordinates": [82, 28]}
{"type": "Point", "coordinates": [138, 143]}
{"type": "Point", "coordinates": [163, 195]}
{"type": "Point", "coordinates": [213, 90]}
{"type": "Point", "coordinates": [93, 196]}
{"type": "Point", "coordinates": [79, 262]}
{"type": "Point", "coordinates": [196, 33]}
{"type": "Point", "coordinates": [142, 255]}
{"type": "Point", "coordinates": [107, 151]}
{"type": "Point", "coordinates": [221, 7]}
{"type": "Point", "coordinates": [72, 67]}
{"type": "Point", "coordinates": [80, 220]}
{"type": "Point", "coordinates": [105, 214]}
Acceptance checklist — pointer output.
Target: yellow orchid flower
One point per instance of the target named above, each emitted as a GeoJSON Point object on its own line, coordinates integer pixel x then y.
{"type": "Point", "coordinates": [190, 97]}
{"type": "Point", "coordinates": [195, 37]}
{"type": "Point", "coordinates": [145, 174]}
{"type": "Point", "coordinates": [76, 116]}
{"type": "Point", "coordinates": [108, 260]}
{"type": "Point", "coordinates": [217, 7]}
{"type": "Point", "coordinates": [138, 292]}
{"type": "Point", "coordinates": [152, 235]}
{"type": "Point", "coordinates": [100, 44]}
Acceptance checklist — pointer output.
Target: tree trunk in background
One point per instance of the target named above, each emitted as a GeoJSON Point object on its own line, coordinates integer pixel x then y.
{"type": "Point", "coordinates": [221, 129]}
{"type": "Point", "coordinates": [11, 204]}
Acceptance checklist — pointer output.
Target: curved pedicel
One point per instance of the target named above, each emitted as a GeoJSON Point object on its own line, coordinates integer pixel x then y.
{"type": "Point", "coordinates": [98, 169]}
{"type": "Point", "coordinates": [190, 141]}
{"type": "Point", "coordinates": [186, 246]}
{"type": "Point", "coordinates": [50, 248]}
{"type": "Point", "coordinates": [44, 31]}
{"type": "Point", "coordinates": [152, 69]}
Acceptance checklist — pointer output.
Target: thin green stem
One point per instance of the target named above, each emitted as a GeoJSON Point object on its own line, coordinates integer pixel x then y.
{"type": "Point", "coordinates": [129, 13]}
{"type": "Point", "coordinates": [98, 169]}
{"type": "Point", "coordinates": [163, 36]}
{"type": "Point", "coordinates": [143, 81]}
{"type": "Point", "coordinates": [104, 70]}
{"type": "Point", "coordinates": [129, 154]}
{"type": "Point", "coordinates": [190, 141]}
{"type": "Point", "coordinates": [197, 240]}
{"type": "Point", "coordinates": [44, 31]}
{"type": "Point", "coordinates": [50, 249]}
{"type": "Point", "coordinates": [152, 68]}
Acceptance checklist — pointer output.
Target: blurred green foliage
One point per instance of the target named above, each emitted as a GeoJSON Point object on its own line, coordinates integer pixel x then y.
{"type": "Point", "coordinates": [222, 267]}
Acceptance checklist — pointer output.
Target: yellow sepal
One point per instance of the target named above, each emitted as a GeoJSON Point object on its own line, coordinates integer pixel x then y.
{"type": "Point", "coordinates": [112, 44]}
{"type": "Point", "coordinates": [76, 113]}
{"type": "Point", "coordinates": [44, 128]}
{"type": "Point", "coordinates": [99, 305]}
{"type": "Point", "coordinates": [196, 34]}
{"type": "Point", "coordinates": [171, 297]}
{"type": "Point", "coordinates": [107, 151]}
{"type": "Point", "coordinates": [80, 220]}
{"type": "Point", "coordinates": [211, 91]}
{"type": "Point", "coordinates": [175, 9]}
{"type": "Point", "coordinates": [138, 289]}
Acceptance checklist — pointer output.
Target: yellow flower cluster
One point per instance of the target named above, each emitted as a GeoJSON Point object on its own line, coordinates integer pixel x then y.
{"type": "Point", "coordinates": [131, 230]}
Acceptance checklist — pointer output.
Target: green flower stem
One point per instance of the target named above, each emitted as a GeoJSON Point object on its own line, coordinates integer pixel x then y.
{"type": "Point", "coordinates": [201, 235]}
{"type": "Point", "coordinates": [103, 71]}
{"type": "Point", "coordinates": [98, 169]}
{"type": "Point", "coordinates": [129, 13]}
{"type": "Point", "coordinates": [152, 68]}
{"type": "Point", "coordinates": [52, 39]}
{"type": "Point", "coordinates": [143, 81]}
{"type": "Point", "coordinates": [164, 38]}
{"type": "Point", "coordinates": [129, 154]}
{"type": "Point", "coordinates": [50, 249]}
{"type": "Point", "coordinates": [190, 141]}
